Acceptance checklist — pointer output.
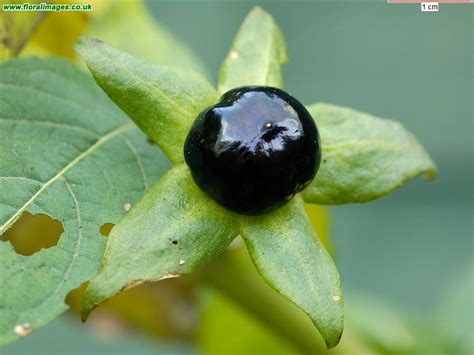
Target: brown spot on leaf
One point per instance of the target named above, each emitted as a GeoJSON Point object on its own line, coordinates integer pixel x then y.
{"type": "Point", "coordinates": [140, 281]}
{"type": "Point", "coordinates": [132, 284]}
{"type": "Point", "coordinates": [97, 41]}
{"type": "Point", "coordinates": [168, 276]}
{"type": "Point", "coordinates": [429, 175]}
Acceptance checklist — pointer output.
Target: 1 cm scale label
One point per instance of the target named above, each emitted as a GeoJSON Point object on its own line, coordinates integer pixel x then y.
{"type": "Point", "coordinates": [429, 7]}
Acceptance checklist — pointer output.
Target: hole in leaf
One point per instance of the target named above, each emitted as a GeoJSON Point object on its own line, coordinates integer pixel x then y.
{"type": "Point", "coordinates": [106, 228]}
{"type": "Point", "coordinates": [74, 297]}
{"type": "Point", "coordinates": [31, 233]}
{"type": "Point", "coordinates": [174, 242]}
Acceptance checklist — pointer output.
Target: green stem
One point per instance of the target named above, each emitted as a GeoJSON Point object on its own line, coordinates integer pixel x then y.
{"type": "Point", "coordinates": [234, 276]}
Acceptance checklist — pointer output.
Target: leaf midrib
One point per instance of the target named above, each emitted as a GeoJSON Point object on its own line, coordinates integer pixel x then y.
{"type": "Point", "coordinates": [267, 54]}
{"type": "Point", "coordinates": [151, 87]}
{"type": "Point", "coordinates": [288, 235]}
{"type": "Point", "coordinates": [117, 131]}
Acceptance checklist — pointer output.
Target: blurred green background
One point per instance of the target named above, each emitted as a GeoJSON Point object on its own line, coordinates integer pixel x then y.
{"type": "Point", "coordinates": [412, 250]}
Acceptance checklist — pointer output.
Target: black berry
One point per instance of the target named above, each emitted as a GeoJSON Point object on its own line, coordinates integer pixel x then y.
{"type": "Point", "coordinates": [254, 150]}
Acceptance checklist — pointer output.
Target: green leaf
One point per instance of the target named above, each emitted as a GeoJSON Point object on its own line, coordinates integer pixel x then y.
{"type": "Point", "coordinates": [163, 101]}
{"type": "Point", "coordinates": [363, 157]}
{"type": "Point", "coordinates": [175, 229]}
{"type": "Point", "coordinates": [155, 43]}
{"type": "Point", "coordinates": [290, 257]}
{"type": "Point", "coordinates": [256, 55]}
{"type": "Point", "coordinates": [65, 151]}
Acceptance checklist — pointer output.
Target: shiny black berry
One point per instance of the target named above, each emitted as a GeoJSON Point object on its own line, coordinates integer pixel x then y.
{"type": "Point", "coordinates": [254, 150]}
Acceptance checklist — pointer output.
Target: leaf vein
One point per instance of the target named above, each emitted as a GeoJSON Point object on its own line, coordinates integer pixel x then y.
{"type": "Point", "coordinates": [152, 87]}
{"type": "Point", "coordinates": [50, 94]}
{"type": "Point", "coordinates": [21, 178]}
{"type": "Point", "coordinates": [139, 161]}
{"type": "Point", "coordinates": [50, 123]}
{"type": "Point", "coordinates": [76, 248]}
{"type": "Point", "coordinates": [88, 151]}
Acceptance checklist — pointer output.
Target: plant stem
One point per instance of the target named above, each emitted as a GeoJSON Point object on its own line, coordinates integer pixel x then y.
{"type": "Point", "coordinates": [233, 275]}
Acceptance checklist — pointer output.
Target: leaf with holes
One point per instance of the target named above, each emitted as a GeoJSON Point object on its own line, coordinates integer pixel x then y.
{"type": "Point", "coordinates": [256, 55]}
{"type": "Point", "coordinates": [68, 152]}
{"type": "Point", "coordinates": [364, 157]}
{"type": "Point", "coordinates": [175, 229]}
{"type": "Point", "coordinates": [163, 101]}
